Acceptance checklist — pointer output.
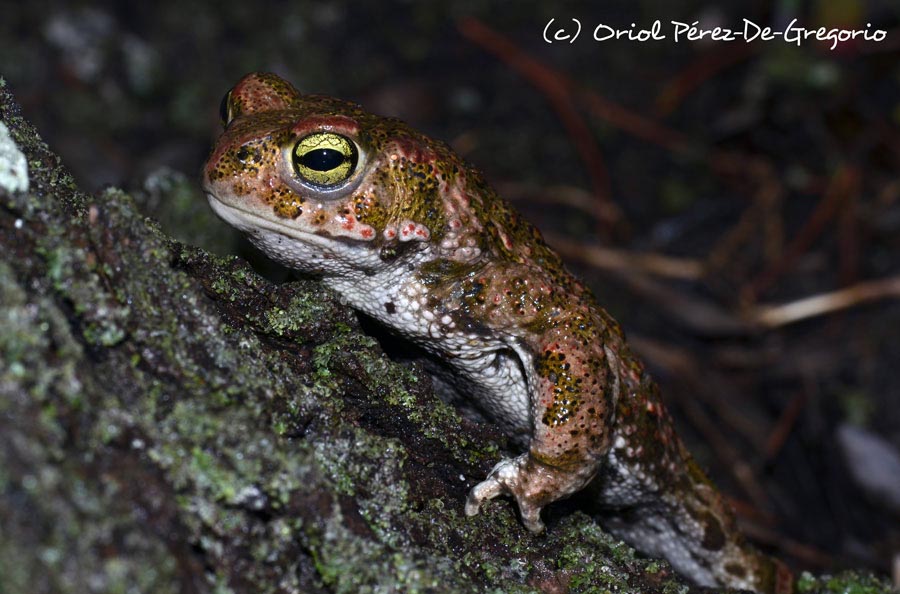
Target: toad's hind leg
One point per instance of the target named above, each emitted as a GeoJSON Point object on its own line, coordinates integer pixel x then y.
{"type": "Point", "coordinates": [653, 495]}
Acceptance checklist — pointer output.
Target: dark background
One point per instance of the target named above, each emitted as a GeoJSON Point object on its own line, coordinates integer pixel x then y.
{"type": "Point", "coordinates": [769, 171]}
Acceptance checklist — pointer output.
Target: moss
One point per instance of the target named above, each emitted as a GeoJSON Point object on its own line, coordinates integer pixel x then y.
{"type": "Point", "coordinates": [847, 582]}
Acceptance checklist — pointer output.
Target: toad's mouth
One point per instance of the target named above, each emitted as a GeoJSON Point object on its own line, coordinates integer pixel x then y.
{"type": "Point", "coordinates": [252, 223]}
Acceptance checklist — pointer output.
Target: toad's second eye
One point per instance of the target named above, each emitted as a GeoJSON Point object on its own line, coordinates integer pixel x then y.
{"type": "Point", "coordinates": [225, 110]}
{"type": "Point", "coordinates": [325, 159]}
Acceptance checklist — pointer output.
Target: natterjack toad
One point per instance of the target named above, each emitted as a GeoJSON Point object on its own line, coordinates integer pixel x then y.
{"type": "Point", "coordinates": [408, 233]}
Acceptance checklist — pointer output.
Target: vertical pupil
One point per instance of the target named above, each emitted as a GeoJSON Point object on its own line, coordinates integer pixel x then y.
{"type": "Point", "coordinates": [324, 159]}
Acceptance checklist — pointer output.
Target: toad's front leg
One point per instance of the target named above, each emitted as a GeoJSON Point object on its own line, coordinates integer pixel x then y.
{"type": "Point", "coordinates": [533, 484]}
{"type": "Point", "coordinates": [574, 387]}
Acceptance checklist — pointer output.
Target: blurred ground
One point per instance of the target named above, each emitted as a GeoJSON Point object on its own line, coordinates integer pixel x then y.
{"type": "Point", "coordinates": [754, 174]}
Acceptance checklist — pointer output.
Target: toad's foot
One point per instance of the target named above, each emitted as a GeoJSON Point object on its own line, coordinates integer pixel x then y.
{"type": "Point", "coordinates": [532, 484]}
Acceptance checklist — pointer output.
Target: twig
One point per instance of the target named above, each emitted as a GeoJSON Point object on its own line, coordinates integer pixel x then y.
{"type": "Point", "coordinates": [843, 182]}
{"type": "Point", "coordinates": [774, 316]}
{"type": "Point", "coordinates": [749, 512]}
{"type": "Point", "coordinates": [807, 555]}
{"type": "Point", "coordinates": [763, 211]}
{"type": "Point", "coordinates": [571, 196]}
{"type": "Point", "coordinates": [625, 261]}
{"type": "Point", "coordinates": [785, 425]}
{"type": "Point", "coordinates": [634, 123]}
{"type": "Point", "coordinates": [703, 383]}
{"type": "Point", "coordinates": [702, 69]}
{"type": "Point", "coordinates": [702, 315]}
{"type": "Point", "coordinates": [848, 241]}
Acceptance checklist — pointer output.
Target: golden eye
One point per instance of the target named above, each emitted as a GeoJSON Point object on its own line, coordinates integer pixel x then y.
{"type": "Point", "coordinates": [225, 111]}
{"type": "Point", "coordinates": [325, 159]}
